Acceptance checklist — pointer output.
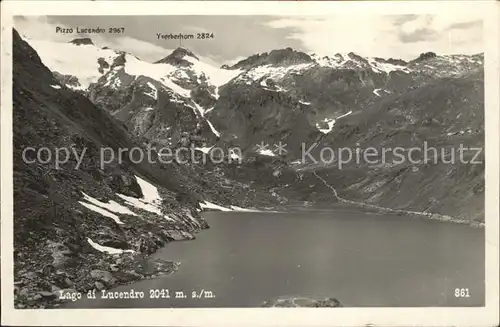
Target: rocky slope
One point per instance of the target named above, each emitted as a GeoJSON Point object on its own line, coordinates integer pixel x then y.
{"type": "Point", "coordinates": [163, 102]}
{"type": "Point", "coordinates": [352, 102]}
{"type": "Point", "coordinates": [81, 224]}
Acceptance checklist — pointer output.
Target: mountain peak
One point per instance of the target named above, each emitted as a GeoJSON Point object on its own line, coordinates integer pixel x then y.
{"type": "Point", "coordinates": [425, 56]}
{"type": "Point", "coordinates": [280, 57]}
{"type": "Point", "coordinates": [82, 41]}
{"type": "Point", "coordinates": [179, 57]}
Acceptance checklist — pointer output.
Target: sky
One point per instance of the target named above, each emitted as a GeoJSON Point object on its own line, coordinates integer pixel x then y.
{"type": "Point", "coordinates": [237, 37]}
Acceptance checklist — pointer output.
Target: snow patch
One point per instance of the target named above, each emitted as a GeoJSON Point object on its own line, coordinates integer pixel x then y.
{"type": "Point", "coordinates": [159, 72]}
{"type": "Point", "coordinates": [101, 211]}
{"type": "Point", "coordinates": [175, 88]}
{"type": "Point", "coordinates": [213, 206]}
{"type": "Point", "coordinates": [330, 122]}
{"type": "Point", "coordinates": [235, 208]}
{"type": "Point", "coordinates": [273, 73]}
{"type": "Point", "coordinates": [209, 205]}
{"type": "Point", "coordinates": [109, 206]}
{"type": "Point", "coordinates": [57, 87]}
{"type": "Point", "coordinates": [209, 109]}
{"type": "Point", "coordinates": [337, 61]}
{"type": "Point", "coordinates": [113, 80]}
{"type": "Point", "coordinates": [174, 100]}
{"type": "Point", "coordinates": [266, 152]}
{"type": "Point", "coordinates": [213, 128]}
{"type": "Point", "coordinates": [215, 75]}
{"type": "Point", "coordinates": [386, 67]}
{"type": "Point", "coordinates": [149, 191]}
{"type": "Point", "coordinates": [344, 115]}
{"type": "Point", "coordinates": [151, 200]}
{"type": "Point", "coordinates": [141, 204]}
{"type": "Point", "coordinates": [154, 91]}
{"type": "Point", "coordinates": [205, 149]}
{"type": "Point", "coordinates": [277, 88]}
{"type": "Point", "coordinates": [234, 156]}
{"type": "Point", "coordinates": [107, 249]}
{"type": "Point", "coordinates": [199, 109]}
{"type": "Point", "coordinates": [190, 216]}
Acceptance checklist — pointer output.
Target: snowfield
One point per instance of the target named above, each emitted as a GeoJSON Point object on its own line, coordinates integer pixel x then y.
{"type": "Point", "coordinates": [213, 206]}
{"type": "Point", "coordinates": [71, 59]}
{"type": "Point", "coordinates": [81, 61]}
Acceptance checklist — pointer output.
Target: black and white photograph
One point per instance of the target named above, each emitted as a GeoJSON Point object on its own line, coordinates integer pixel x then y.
{"type": "Point", "coordinates": [251, 161]}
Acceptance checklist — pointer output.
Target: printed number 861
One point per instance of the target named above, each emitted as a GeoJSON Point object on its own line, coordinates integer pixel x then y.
{"type": "Point", "coordinates": [462, 292]}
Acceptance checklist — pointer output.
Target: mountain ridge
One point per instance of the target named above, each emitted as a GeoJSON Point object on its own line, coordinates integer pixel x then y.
{"type": "Point", "coordinates": [282, 95]}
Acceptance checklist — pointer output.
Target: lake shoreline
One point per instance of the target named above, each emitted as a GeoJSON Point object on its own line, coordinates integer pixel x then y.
{"type": "Point", "coordinates": [171, 267]}
{"type": "Point", "coordinates": [377, 253]}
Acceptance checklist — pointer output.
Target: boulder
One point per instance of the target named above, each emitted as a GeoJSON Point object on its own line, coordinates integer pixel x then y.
{"type": "Point", "coordinates": [103, 276]}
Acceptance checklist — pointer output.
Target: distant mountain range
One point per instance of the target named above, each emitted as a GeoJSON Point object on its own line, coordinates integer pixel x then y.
{"type": "Point", "coordinates": [295, 98]}
{"type": "Point", "coordinates": [81, 95]}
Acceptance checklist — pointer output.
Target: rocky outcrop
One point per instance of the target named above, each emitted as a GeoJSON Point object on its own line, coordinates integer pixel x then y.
{"type": "Point", "coordinates": [426, 55]}
{"type": "Point", "coordinates": [177, 58]}
{"type": "Point", "coordinates": [82, 41]}
{"type": "Point", "coordinates": [103, 65]}
{"type": "Point", "coordinates": [69, 80]}
{"type": "Point", "coordinates": [294, 302]}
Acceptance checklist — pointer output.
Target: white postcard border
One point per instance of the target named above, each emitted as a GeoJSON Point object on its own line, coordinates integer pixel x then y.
{"type": "Point", "coordinates": [430, 316]}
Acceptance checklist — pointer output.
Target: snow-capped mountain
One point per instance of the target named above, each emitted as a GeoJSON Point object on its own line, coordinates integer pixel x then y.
{"type": "Point", "coordinates": [283, 95]}
{"type": "Point", "coordinates": [150, 98]}
{"type": "Point", "coordinates": [88, 62]}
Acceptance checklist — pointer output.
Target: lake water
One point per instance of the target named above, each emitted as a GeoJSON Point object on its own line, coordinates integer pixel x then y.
{"type": "Point", "coordinates": [362, 259]}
